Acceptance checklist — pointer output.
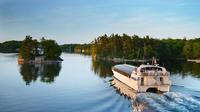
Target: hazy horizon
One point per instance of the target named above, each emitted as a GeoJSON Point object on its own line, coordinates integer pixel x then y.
{"type": "Point", "coordinates": [69, 21]}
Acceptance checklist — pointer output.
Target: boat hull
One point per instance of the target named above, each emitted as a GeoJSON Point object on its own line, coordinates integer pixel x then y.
{"type": "Point", "coordinates": [126, 80]}
{"type": "Point", "coordinates": [135, 84]}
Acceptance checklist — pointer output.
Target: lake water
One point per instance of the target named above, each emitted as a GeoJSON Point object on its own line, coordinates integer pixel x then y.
{"type": "Point", "coordinates": [80, 84]}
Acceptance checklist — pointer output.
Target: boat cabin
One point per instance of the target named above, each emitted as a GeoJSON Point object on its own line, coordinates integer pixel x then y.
{"type": "Point", "coordinates": [150, 70]}
{"type": "Point", "coordinates": [143, 78]}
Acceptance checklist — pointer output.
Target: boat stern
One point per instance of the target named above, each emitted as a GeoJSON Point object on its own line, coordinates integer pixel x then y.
{"type": "Point", "coordinates": [160, 88]}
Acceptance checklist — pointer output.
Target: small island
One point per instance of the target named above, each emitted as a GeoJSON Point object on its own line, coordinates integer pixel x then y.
{"type": "Point", "coordinates": [43, 51]}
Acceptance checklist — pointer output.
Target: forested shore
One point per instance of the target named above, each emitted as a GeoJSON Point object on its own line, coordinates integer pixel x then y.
{"type": "Point", "coordinates": [10, 46]}
{"type": "Point", "coordinates": [135, 47]}
{"type": "Point", "coordinates": [127, 47]}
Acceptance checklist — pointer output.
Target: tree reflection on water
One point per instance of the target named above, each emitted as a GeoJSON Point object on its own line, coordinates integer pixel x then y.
{"type": "Point", "coordinates": [103, 68]}
{"type": "Point", "coordinates": [183, 68]}
{"type": "Point", "coordinates": [46, 72]}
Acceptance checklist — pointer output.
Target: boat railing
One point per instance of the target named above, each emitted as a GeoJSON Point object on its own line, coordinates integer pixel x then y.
{"type": "Point", "coordinates": [157, 83]}
{"type": "Point", "coordinates": [154, 79]}
{"type": "Point", "coordinates": [154, 73]}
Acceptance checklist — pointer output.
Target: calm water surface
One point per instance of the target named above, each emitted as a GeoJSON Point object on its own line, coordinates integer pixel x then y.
{"type": "Point", "coordinates": [80, 84]}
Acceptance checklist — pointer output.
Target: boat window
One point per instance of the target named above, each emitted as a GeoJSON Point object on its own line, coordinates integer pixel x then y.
{"type": "Point", "coordinates": [159, 69]}
{"type": "Point", "coordinates": [134, 78]}
{"type": "Point", "coordinates": [161, 80]}
{"type": "Point", "coordinates": [150, 69]}
{"type": "Point", "coordinates": [142, 81]}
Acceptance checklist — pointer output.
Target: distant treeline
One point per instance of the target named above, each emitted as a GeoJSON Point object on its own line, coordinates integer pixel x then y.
{"type": "Point", "coordinates": [128, 47]}
{"type": "Point", "coordinates": [10, 46]}
{"type": "Point", "coordinates": [135, 47]}
{"type": "Point", "coordinates": [76, 48]}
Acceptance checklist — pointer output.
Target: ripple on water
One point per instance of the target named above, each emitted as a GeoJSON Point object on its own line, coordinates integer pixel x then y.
{"type": "Point", "coordinates": [170, 101]}
{"type": "Point", "coordinates": [105, 101]}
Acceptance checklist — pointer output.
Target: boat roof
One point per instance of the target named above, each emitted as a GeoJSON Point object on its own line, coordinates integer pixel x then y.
{"type": "Point", "coordinates": [127, 69]}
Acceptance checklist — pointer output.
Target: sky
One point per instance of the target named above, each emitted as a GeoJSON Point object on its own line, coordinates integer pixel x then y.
{"type": "Point", "coordinates": [80, 21]}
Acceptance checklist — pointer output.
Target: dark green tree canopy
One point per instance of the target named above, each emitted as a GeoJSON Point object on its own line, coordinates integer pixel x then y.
{"type": "Point", "coordinates": [135, 47]}
{"type": "Point", "coordinates": [49, 48]}
{"type": "Point", "coordinates": [10, 46]}
{"type": "Point", "coordinates": [27, 48]}
{"type": "Point", "coordinates": [52, 50]}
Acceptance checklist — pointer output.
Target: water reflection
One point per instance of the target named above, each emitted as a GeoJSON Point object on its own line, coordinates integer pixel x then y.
{"type": "Point", "coordinates": [127, 92]}
{"type": "Point", "coordinates": [152, 102]}
{"type": "Point", "coordinates": [178, 99]}
{"type": "Point", "coordinates": [183, 68]}
{"type": "Point", "coordinates": [103, 68]}
{"type": "Point", "coordinates": [123, 89]}
{"type": "Point", "coordinates": [46, 72]}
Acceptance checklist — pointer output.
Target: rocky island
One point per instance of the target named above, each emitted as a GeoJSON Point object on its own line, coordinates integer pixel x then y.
{"type": "Point", "coordinates": [43, 51]}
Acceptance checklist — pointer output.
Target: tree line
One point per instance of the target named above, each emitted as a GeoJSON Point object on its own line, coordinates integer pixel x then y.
{"type": "Point", "coordinates": [10, 46]}
{"type": "Point", "coordinates": [77, 48]}
{"type": "Point", "coordinates": [191, 49]}
{"type": "Point", "coordinates": [123, 46]}
{"type": "Point", "coordinates": [135, 47]}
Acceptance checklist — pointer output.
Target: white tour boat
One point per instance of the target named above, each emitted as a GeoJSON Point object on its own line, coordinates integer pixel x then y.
{"type": "Point", "coordinates": [144, 78]}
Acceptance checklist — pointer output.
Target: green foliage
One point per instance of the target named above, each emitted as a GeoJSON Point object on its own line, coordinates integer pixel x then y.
{"type": "Point", "coordinates": [82, 48]}
{"type": "Point", "coordinates": [68, 47]}
{"type": "Point", "coordinates": [171, 48]}
{"type": "Point", "coordinates": [10, 46]}
{"type": "Point", "coordinates": [116, 46]}
{"type": "Point", "coordinates": [52, 50]}
{"type": "Point", "coordinates": [77, 48]}
{"type": "Point", "coordinates": [135, 47]}
{"type": "Point", "coordinates": [187, 50]}
{"type": "Point", "coordinates": [192, 49]}
{"type": "Point", "coordinates": [196, 50]}
{"type": "Point", "coordinates": [29, 47]}
{"type": "Point", "coordinates": [113, 46]}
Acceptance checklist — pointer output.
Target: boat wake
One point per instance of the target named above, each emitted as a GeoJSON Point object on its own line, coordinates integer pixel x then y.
{"type": "Point", "coordinates": [167, 102]}
{"type": "Point", "coordinates": [180, 99]}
